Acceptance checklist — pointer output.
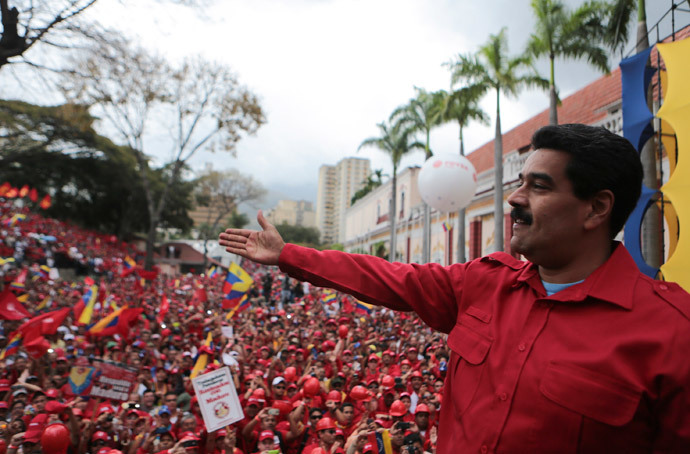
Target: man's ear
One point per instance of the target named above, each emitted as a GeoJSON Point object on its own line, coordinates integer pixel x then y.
{"type": "Point", "coordinates": [600, 207]}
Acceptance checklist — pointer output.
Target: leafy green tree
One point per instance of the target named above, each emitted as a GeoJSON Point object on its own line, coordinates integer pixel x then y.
{"type": "Point", "coordinates": [422, 114]}
{"type": "Point", "coordinates": [396, 141]}
{"type": "Point", "coordinates": [560, 33]}
{"type": "Point", "coordinates": [92, 181]}
{"type": "Point", "coordinates": [621, 14]}
{"type": "Point", "coordinates": [462, 106]}
{"type": "Point", "coordinates": [237, 220]}
{"type": "Point", "coordinates": [299, 234]}
{"type": "Point", "coordinates": [492, 69]}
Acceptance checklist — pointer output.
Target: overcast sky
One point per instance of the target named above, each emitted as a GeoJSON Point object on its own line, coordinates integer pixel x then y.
{"type": "Point", "coordinates": [327, 71]}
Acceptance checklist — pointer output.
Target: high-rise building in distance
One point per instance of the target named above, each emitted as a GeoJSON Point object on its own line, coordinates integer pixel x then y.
{"type": "Point", "coordinates": [337, 185]}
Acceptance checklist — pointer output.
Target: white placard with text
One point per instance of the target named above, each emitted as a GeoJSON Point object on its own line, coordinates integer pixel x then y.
{"type": "Point", "coordinates": [218, 399]}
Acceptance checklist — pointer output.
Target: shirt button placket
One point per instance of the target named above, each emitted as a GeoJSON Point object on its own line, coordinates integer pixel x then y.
{"type": "Point", "coordinates": [484, 449]}
{"type": "Point", "coordinates": [522, 347]}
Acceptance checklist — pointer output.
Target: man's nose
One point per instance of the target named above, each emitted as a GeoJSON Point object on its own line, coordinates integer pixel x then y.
{"type": "Point", "coordinates": [517, 198]}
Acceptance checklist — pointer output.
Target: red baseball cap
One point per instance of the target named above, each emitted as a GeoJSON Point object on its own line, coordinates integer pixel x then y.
{"type": "Point", "coordinates": [188, 436]}
{"type": "Point", "coordinates": [100, 435]}
{"type": "Point", "coordinates": [266, 435]}
{"type": "Point", "coordinates": [35, 429]}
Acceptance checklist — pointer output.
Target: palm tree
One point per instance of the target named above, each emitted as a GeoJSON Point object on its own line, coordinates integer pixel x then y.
{"type": "Point", "coordinates": [462, 106]}
{"type": "Point", "coordinates": [396, 141]}
{"type": "Point", "coordinates": [560, 33]}
{"type": "Point", "coordinates": [422, 114]}
{"type": "Point", "coordinates": [491, 68]}
{"type": "Point", "coordinates": [620, 17]}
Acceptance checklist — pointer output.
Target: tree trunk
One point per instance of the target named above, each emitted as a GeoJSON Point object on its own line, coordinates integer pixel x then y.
{"type": "Point", "coordinates": [150, 243]}
{"type": "Point", "coordinates": [426, 240]}
{"type": "Point", "coordinates": [498, 179]}
{"type": "Point", "coordinates": [205, 253]}
{"type": "Point", "coordinates": [553, 98]}
{"type": "Point", "coordinates": [460, 254]}
{"type": "Point", "coordinates": [392, 215]}
{"type": "Point", "coordinates": [156, 216]}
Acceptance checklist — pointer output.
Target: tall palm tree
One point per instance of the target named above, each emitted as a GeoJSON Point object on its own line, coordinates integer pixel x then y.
{"type": "Point", "coordinates": [492, 69]}
{"type": "Point", "coordinates": [422, 114]}
{"type": "Point", "coordinates": [462, 106]}
{"type": "Point", "coordinates": [396, 140]}
{"type": "Point", "coordinates": [560, 33]}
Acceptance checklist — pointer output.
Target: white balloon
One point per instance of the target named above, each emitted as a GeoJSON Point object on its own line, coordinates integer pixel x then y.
{"type": "Point", "coordinates": [447, 182]}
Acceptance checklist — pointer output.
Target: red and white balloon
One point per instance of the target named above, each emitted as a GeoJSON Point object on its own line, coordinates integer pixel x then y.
{"type": "Point", "coordinates": [447, 182]}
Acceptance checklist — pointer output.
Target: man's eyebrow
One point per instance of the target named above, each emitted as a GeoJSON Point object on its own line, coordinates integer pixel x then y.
{"type": "Point", "coordinates": [537, 176]}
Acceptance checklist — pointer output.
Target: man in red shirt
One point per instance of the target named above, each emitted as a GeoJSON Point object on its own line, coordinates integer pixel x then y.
{"type": "Point", "coordinates": [325, 429]}
{"type": "Point", "coordinates": [573, 349]}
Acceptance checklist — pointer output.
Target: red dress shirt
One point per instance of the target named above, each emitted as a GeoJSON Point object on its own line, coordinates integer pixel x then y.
{"type": "Point", "coordinates": [601, 366]}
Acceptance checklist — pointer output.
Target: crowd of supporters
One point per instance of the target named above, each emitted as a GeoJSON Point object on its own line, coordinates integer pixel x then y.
{"type": "Point", "coordinates": [316, 372]}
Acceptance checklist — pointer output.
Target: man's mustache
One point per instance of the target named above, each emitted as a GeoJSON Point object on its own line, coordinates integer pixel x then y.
{"type": "Point", "coordinates": [519, 214]}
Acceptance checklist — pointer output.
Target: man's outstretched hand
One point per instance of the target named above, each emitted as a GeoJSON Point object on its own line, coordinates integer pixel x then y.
{"type": "Point", "coordinates": [262, 247]}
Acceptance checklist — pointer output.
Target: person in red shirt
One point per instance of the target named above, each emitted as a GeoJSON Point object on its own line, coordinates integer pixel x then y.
{"type": "Point", "coordinates": [372, 372]}
{"type": "Point", "coordinates": [413, 358]}
{"type": "Point", "coordinates": [266, 442]}
{"type": "Point", "coordinates": [326, 431]}
{"type": "Point", "coordinates": [573, 347]}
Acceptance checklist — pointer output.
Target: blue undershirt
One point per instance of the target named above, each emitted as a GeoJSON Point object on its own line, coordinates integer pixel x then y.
{"type": "Point", "coordinates": [554, 288]}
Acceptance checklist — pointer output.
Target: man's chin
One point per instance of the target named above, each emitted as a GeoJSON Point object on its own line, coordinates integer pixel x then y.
{"type": "Point", "coordinates": [518, 247]}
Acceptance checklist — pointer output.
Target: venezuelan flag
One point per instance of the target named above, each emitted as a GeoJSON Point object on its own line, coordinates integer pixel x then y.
{"type": "Point", "coordinates": [383, 442]}
{"type": "Point", "coordinates": [446, 226]}
{"type": "Point", "coordinates": [45, 304]}
{"type": "Point", "coordinates": [237, 283]}
{"type": "Point", "coordinates": [44, 271]}
{"type": "Point", "coordinates": [89, 299]}
{"type": "Point", "coordinates": [328, 296]}
{"type": "Point", "coordinates": [14, 219]}
{"type": "Point", "coordinates": [202, 359]}
{"type": "Point", "coordinates": [23, 298]}
{"type": "Point", "coordinates": [12, 346]}
{"type": "Point", "coordinates": [6, 260]}
{"type": "Point", "coordinates": [129, 262]}
{"type": "Point", "coordinates": [213, 272]}
{"type": "Point", "coordinates": [237, 278]}
{"type": "Point", "coordinates": [244, 303]}
{"type": "Point", "coordinates": [363, 308]}
{"type": "Point", "coordinates": [108, 321]}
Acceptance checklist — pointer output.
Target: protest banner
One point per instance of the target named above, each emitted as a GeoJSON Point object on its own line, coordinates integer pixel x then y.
{"type": "Point", "coordinates": [111, 381]}
{"type": "Point", "coordinates": [217, 399]}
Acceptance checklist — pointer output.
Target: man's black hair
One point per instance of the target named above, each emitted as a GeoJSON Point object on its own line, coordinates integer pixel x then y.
{"type": "Point", "coordinates": [346, 404]}
{"type": "Point", "coordinates": [412, 438]}
{"type": "Point", "coordinates": [599, 160]}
